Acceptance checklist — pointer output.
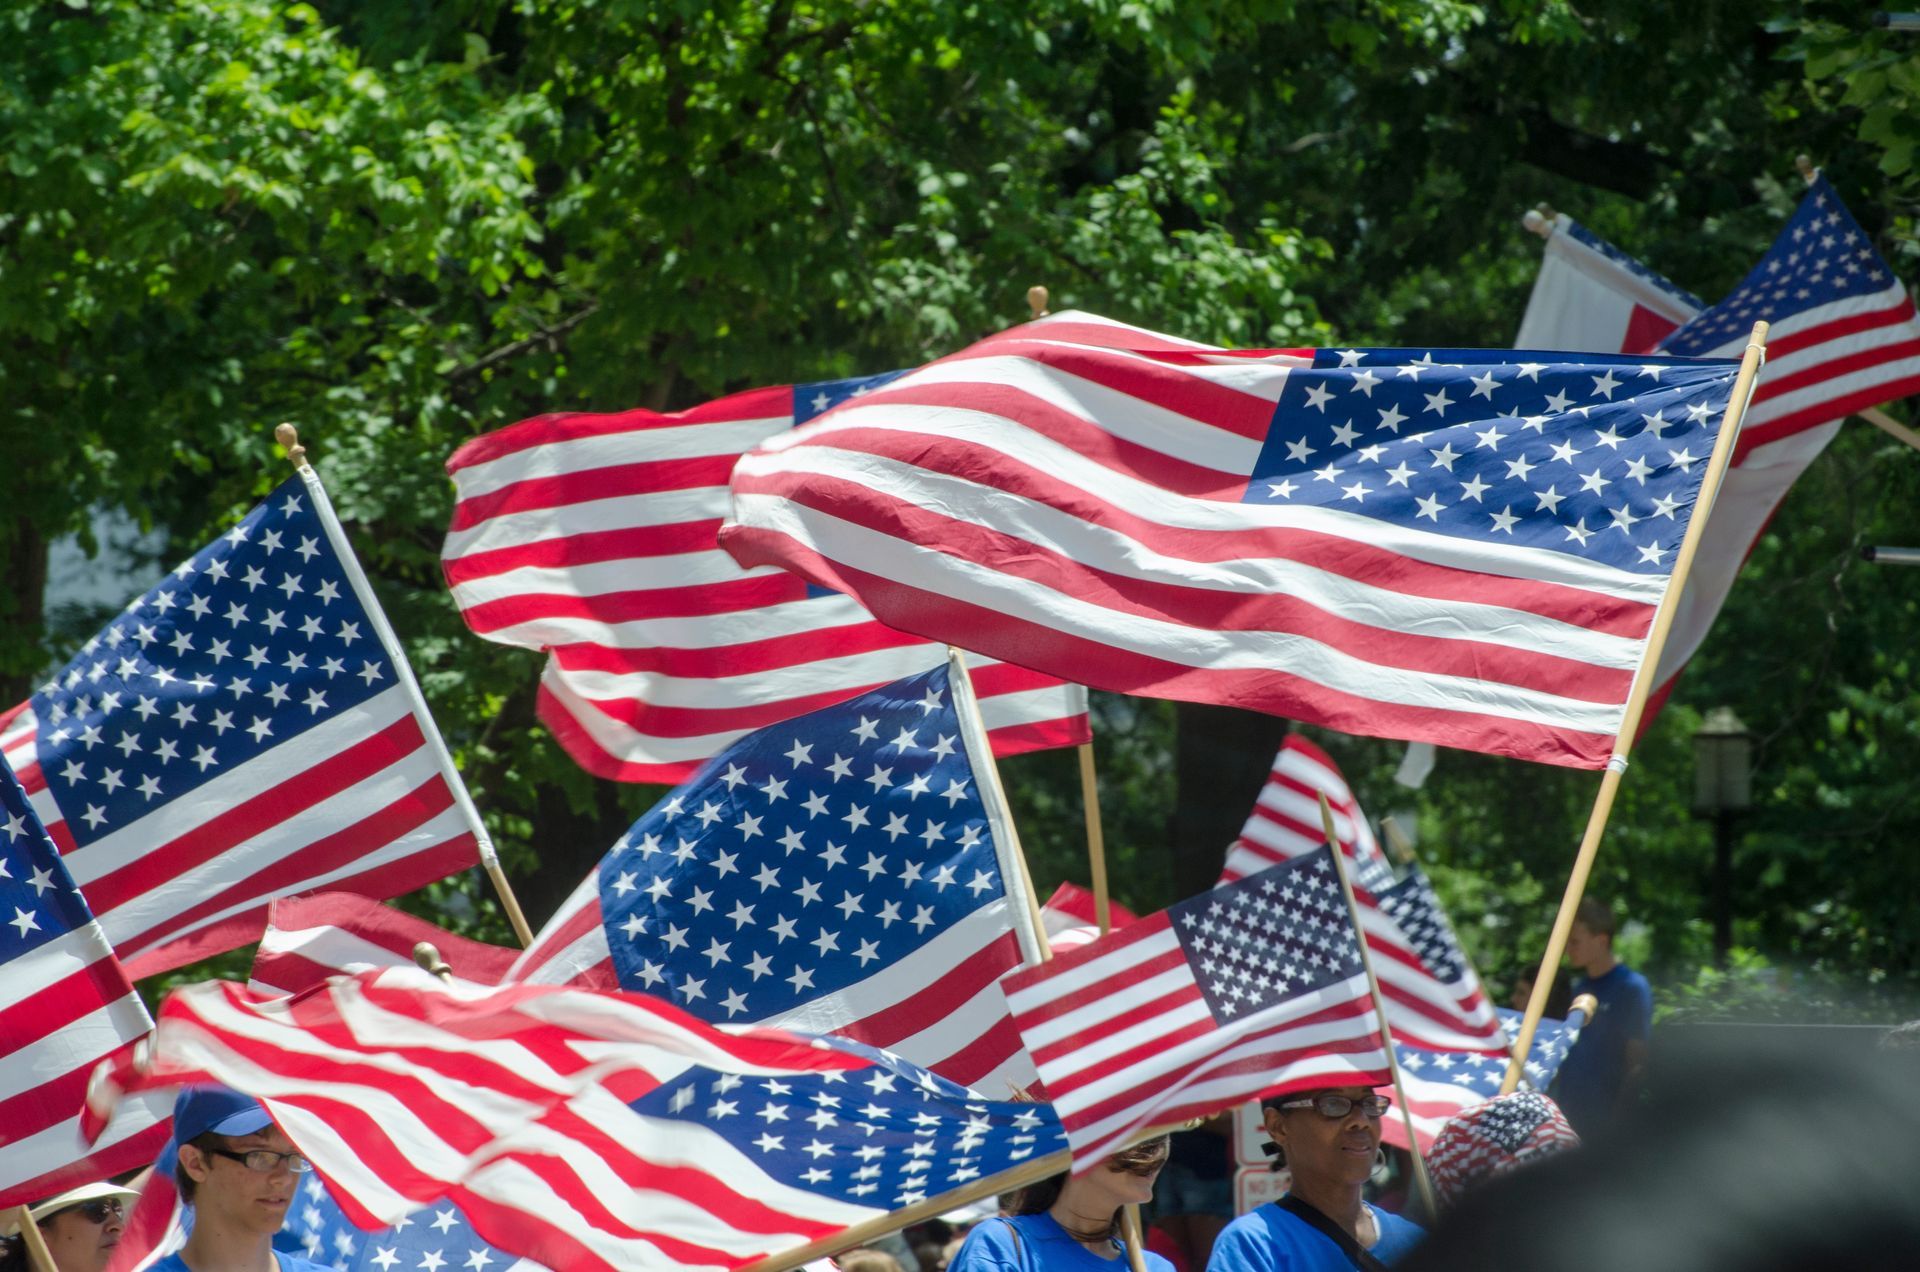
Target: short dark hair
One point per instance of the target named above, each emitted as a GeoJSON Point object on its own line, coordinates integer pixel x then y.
{"type": "Point", "coordinates": [206, 1143]}
{"type": "Point", "coordinates": [1596, 916]}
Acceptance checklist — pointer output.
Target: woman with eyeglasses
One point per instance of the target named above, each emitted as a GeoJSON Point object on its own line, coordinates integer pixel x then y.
{"type": "Point", "coordinates": [1068, 1222]}
{"type": "Point", "coordinates": [238, 1171]}
{"type": "Point", "coordinates": [1330, 1140]}
{"type": "Point", "coordinates": [80, 1226]}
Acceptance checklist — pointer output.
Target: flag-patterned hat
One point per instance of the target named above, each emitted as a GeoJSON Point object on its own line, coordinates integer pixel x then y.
{"type": "Point", "coordinates": [1493, 1138]}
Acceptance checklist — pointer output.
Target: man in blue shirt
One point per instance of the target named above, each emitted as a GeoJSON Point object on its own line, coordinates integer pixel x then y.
{"type": "Point", "coordinates": [1604, 1071]}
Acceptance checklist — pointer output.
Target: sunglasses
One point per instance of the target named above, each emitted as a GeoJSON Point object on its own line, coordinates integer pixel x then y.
{"type": "Point", "coordinates": [99, 1210]}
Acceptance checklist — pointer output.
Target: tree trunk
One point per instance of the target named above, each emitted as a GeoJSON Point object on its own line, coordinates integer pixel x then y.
{"type": "Point", "coordinates": [1221, 761]}
{"type": "Point", "coordinates": [23, 595]}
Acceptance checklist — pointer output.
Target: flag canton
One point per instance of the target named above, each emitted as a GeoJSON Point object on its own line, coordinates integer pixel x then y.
{"type": "Point", "coordinates": [251, 641]}
{"type": "Point", "coordinates": [887, 1136]}
{"type": "Point", "coordinates": [432, 1239]}
{"type": "Point", "coordinates": [1481, 1073]}
{"type": "Point", "coordinates": [38, 900]}
{"type": "Point", "coordinates": [1632, 266]}
{"type": "Point", "coordinates": [1412, 905]}
{"type": "Point", "coordinates": [809, 855]}
{"type": "Point", "coordinates": [821, 396]}
{"type": "Point", "coordinates": [1276, 934]}
{"type": "Point", "coordinates": [1600, 460]}
{"type": "Point", "coordinates": [1822, 256]}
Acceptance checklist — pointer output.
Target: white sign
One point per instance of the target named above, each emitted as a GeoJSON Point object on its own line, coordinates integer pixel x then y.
{"type": "Point", "coordinates": [1250, 1138]}
{"type": "Point", "coordinates": [1255, 1186]}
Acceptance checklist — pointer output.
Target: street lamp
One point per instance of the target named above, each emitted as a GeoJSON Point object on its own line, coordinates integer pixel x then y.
{"type": "Point", "coordinates": [1722, 790]}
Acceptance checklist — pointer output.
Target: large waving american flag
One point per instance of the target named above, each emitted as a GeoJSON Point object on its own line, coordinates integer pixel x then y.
{"type": "Point", "coordinates": [248, 728]}
{"type": "Point", "coordinates": [1843, 337]}
{"type": "Point", "coordinates": [1450, 546]}
{"type": "Point", "coordinates": [592, 1130]}
{"type": "Point", "coordinates": [65, 1006]}
{"type": "Point", "coordinates": [1253, 988]}
{"type": "Point", "coordinates": [591, 537]}
{"type": "Point", "coordinates": [849, 871]}
{"type": "Point", "coordinates": [1432, 996]}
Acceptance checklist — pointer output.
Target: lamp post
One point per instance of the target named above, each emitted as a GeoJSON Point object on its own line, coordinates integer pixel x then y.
{"type": "Point", "coordinates": [1722, 790]}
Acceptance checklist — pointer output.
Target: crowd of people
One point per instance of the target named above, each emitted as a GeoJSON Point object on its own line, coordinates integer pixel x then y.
{"type": "Point", "coordinates": [1725, 1156]}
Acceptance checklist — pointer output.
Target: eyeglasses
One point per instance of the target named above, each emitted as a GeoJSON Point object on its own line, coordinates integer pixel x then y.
{"type": "Point", "coordinates": [99, 1210]}
{"type": "Point", "coordinates": [265, 1160]}
{"type": "Point", "coordinates": [1339, 1105]}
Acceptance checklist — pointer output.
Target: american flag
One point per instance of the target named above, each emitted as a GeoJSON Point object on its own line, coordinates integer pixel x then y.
{"type": "Point", "coordinates": [65, 1005]}
{"type": "Point", "coordinates": [1844, 334]}
{"type": "Point", "coordinates": [1844, 337]}
{"type": "Point", "coordinates": [1450, 546]}
{"type": "Point", "coordinates": [330, 933]}
{"type": "Point", "coordinates": [591, 537]}
{"type": "Point", "coordinates": [1590, 295]}
{"type": "Point", "coordinates": [849, 872]}
{"type": "Point", "coordinates": [1252, 988]}
{"type": "Point", "coordinates": [681, 1147]}
{"type": "Point", "coordinates": [245, 729]}
{"type": "Point", "coordinates": [1440, 1084]}
{"type": "Point", "coordinates": [1432, 995]}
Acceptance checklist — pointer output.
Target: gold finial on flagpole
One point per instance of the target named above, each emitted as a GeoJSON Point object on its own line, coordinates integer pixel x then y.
{"type": "Point", "coordinates": [427, 954]}
{"type": "Point", "coordinates": [1804, 164]}
{"type": "Point", "coordinates": [1037, 301]}
{"type": "Point", "coordinates": [289, 437]}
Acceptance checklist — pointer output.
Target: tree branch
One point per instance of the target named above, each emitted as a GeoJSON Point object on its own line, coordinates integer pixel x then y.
{"type": "Point", "coordinates": [548, 336]}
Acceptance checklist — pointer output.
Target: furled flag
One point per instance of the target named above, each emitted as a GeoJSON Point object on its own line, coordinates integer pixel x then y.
{"type": "Point", "coordinates": [65, 1006]}
{"type": "Point", "coordinates": [1452, 546]}
{"type": "Point", "coordinates": [678, 1147]}
{"type": "Point", "coordinates": [1440, 1083]}
{"type": "Point", "coordinates": [329, 933]}
{"type": "Point", "coordinates": [850, 871]}
{"type": "Point", "coordinates": [1590, 295]}
{"type": "Point", "coordinates": [246, 729]}
{"type": "Point", "coordinates": [1844, 337]}
{"type": "Point", "coordinates": [591, 537]}
{"type": "Point", "coordinates": [1250, 989]}
{"type": "Point", "coordinates": [1432, 995]}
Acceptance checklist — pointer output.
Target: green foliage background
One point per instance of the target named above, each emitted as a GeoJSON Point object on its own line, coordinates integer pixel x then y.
{"type": "Point", "coordinates": [400, 225]}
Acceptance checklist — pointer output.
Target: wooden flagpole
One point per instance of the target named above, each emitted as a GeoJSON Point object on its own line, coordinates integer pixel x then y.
{"type": "Point", "coordinates": [1133, 1231]}
{"type": "Point", "coordinates": [39, 1258]}
{"type": "Point", "coordinates": [1636, 704]}
{"type": "Point", "coordinates": [1420, 1177]}
{"type": "Point", "coordinates": [289, 437]}
{"type": "Point", "coordinates": [1873, 415]}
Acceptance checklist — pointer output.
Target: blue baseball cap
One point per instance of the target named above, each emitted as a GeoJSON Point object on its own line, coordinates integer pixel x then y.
{"type": "Point", "coordinates": [222, 1110]}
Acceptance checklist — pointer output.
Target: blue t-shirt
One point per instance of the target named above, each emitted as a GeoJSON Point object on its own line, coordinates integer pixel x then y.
{"type": "Point", "coordinates": [1042, 1246]}
{"type": "Point", "coordinates": [1588, 1088]}
{"type": "Point", "coordinates": [288, 1263]}
{"type": "Point", "coordinates": [1269, 1239]}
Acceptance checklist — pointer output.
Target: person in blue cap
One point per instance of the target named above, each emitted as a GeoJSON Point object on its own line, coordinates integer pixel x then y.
{"type": "Point", "coordinates": [238, 1171]}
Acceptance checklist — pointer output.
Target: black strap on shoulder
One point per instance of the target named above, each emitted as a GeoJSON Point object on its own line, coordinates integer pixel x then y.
{"type": "Point", "coordinates": [1357, 1254]}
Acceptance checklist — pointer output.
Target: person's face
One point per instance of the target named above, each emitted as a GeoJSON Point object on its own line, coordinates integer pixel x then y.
{"type": "Point", "coordinates": [79, 1243]}
{"type": "Point", "coordinates": [1322, 1149]}
{"type": "Point", "coordinates": [251, 1199]}
{"type": "Point", "coordinates": [1523, 988]}
{"type": "Point", "coordinates": [1108, 1187]}
{"type": "Point", "coordinates": [1584, 945]}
